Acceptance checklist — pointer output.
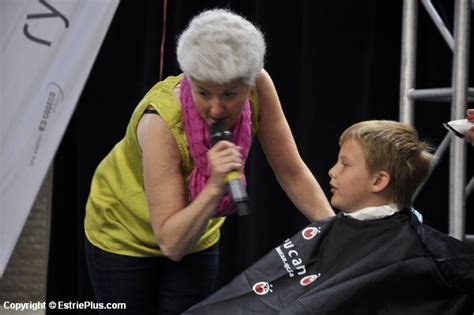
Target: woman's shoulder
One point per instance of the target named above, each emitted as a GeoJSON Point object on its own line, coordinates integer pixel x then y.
{"type": "Point", "coordinates": [163, 99]}
{"type": "Point", "coordinates": [164, 87]}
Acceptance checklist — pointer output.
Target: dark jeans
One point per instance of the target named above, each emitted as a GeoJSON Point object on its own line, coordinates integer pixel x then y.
{"type": "Point", "coordinates": [152, 285]}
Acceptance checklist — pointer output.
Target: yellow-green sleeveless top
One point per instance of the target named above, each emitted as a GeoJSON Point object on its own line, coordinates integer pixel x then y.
{"type": "Point", "coordinates": [117, 217]}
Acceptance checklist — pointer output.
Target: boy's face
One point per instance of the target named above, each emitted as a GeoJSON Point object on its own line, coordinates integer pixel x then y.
{"type": "Point", "coordinates": [351, 182]}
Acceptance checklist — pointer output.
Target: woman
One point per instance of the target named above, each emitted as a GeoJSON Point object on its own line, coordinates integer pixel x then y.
{"type": "Point", "coordinates": [470, 133]}
{"type": "Point", "coordinates": [158, 199]}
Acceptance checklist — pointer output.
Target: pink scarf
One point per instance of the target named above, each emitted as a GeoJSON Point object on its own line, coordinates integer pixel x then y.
{"type": "Point", "coordinates": [197, 134]}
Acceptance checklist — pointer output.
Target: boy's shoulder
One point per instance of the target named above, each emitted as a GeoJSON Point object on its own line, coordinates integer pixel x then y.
{"type": "Point", "coordinates": [454, 258]}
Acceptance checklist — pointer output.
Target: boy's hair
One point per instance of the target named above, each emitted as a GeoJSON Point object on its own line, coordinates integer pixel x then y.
{"type": "Point", "coordinates": [395, 148]}
{"type": "Point", "coordinates": [221, 46]}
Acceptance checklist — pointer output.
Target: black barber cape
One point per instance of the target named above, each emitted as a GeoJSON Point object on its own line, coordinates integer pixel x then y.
{"type": "Point", "coordinates": [394, 265]}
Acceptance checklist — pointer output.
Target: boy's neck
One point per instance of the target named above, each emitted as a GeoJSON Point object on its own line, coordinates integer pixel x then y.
{"type": "Point", "coordinates": [375, 200]}
{"type": "Point", "coordinates": [373, 213]}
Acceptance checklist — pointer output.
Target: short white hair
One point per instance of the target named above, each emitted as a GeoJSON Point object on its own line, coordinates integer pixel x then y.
{"type": "Point", "coordinates": [221, 46]}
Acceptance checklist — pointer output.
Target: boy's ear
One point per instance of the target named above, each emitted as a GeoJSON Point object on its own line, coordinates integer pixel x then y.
{"type": "Point", "coordinates": [381, 181]}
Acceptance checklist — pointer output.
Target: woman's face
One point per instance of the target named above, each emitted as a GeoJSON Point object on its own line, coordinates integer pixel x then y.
{"type": "Point", "coordinates": [220, 102]}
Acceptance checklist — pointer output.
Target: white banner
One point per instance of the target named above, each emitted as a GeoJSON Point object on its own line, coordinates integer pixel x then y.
{"type": "Point", "coordinates": [48, 49]}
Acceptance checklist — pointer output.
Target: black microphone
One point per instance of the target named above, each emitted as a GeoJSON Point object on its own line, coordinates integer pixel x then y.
{"type": "Point", "coordinates": [218, 132]}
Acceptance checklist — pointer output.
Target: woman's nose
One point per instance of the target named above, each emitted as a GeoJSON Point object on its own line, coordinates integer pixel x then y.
{"type": "Point", "coordinates": [216, 108]}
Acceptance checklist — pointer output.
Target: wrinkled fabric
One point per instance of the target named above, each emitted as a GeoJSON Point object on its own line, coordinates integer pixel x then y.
{"type": "Point", "coordinates": [394, 265]}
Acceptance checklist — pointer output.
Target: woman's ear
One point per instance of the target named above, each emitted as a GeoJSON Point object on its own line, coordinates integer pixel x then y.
{"type": "Point", "coordinates": [381, 181]}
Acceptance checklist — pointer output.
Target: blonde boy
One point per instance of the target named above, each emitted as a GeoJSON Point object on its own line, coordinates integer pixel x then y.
{"type": "Point", "coordinates": [381, 163]}
{"type": "Point", "coordinates": [375, 256]}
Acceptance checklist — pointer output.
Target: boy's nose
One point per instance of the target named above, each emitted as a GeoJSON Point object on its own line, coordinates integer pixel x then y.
{"type": "Point", "coordinates": [331, 172]}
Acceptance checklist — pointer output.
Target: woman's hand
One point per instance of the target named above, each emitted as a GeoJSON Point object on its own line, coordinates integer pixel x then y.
{"type": "Point", "coordinates": [223, 157]}
{"type": "Point", "coordinates": [470, 132]}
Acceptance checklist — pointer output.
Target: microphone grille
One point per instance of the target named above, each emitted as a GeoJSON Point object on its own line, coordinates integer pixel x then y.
{"type": "Point", "coordinates": [218, 132]}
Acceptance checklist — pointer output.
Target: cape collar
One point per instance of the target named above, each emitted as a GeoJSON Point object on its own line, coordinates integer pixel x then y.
{"type": "Point", "coordinates": [373, 213]}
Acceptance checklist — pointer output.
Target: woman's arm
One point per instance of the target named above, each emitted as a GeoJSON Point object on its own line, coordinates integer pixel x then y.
{"type": "Point", "coordinates": [177, 225]}
{"type": "Point", "coordinates": [282, 154]}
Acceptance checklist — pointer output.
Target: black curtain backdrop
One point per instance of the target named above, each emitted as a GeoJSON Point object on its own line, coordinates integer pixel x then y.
{"type": "Point", "coordinates": [334, 63]}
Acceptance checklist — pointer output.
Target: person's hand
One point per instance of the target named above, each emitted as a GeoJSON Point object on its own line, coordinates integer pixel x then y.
{"type": "Point", "coordinates": [223, 158]}
{"type": "Point", "coordinates": [470, 133]}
